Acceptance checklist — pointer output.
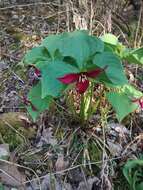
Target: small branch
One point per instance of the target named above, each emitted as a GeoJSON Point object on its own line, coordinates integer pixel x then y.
{"type": "Point", "coordinates": [138, 27]}
{"type": "Point", "coordinates": [29, 5]}
{"type": "Point", "coordinates": [116, 16]}
{"type": "Point", "coordinates": [74, 167]}
{"type": "Point", "coordinates": [24, 167]}
{"type": "Point", "coordinates": [13, 178]}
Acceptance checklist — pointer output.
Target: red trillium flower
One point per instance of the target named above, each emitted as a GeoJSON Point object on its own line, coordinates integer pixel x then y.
{"type": "Point", "coordinates": [81, 79]}
{"type": "Point", "coordinates": [139, 101]}
{"type": "Point", "coordinates": [37, 72]}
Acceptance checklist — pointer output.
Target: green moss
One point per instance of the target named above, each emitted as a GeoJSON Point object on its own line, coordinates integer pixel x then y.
{"type": "Point", "coordinates": [12, 129]}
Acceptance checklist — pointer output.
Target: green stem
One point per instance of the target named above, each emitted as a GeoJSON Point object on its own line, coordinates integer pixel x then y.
{"type": "Point", "coordinates": [70, 102]}
{"type": "Point", "coordinates": [90, 103]}
{"type": "Point", "coordinates": [82, 108]}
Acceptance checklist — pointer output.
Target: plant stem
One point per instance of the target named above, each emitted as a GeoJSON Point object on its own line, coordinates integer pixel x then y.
{"type": "Point", "coordinates": [70, 102]}
{"type": "Point", "coordinates": [82, 108]}
{"type": "Point", "coordinates": [90, 103]}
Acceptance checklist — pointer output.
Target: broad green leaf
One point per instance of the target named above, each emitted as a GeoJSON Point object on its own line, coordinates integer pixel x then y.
{"type": "Point", "coordinates": [109, 48]}
{"type": "Point", "coordinates": [120, 50]}
{"type": "Point", "coordinates": [112, 44]}
{"type": "Point", "coordinates": [36, 54]}
{"type": "Point", "coordinates": [121, 103]}
{"type": "Point", "coordinates": [78, 45]}
{"type": "Point", "coordinates": [131, 91]}
{"type": "Point", "coordinates": [110, 39]}
{"type": "Point", "coordinates": [135, 56]}
{"type": "Point", "coordinates": [114, 71]}
{"type": "Point", "coordinates": [50, 72]}
{"type": "Point", "coordinates": [39, 103]}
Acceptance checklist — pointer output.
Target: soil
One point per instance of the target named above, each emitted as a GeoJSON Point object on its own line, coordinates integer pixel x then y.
{"type": "Point", "coordinates": [55, 151]}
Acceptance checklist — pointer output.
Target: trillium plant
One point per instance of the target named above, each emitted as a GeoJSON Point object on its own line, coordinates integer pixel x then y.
{"type": "Point", "coordinates": [81, 79]}
{"type": "Point", "coordinates": [79, 63]}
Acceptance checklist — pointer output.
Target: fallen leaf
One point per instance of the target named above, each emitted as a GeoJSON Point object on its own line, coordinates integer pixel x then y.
{"type": "Point", "coordinates": [61, 164]}
{"type": "Point", "coordinates": [4, 151]}
{"type": "Point", "coordinates": [88, 184]}
{"type": "Point", "coordinates": [120, 129]}
{"type": "Point", "coordinates": [11, 176]}
{"type": "Point", "coordinates": [47, 138]}
{"type": "Point", "coordinates": [49, 183]}
{"type": "Point", "coordinates": [115, 148]}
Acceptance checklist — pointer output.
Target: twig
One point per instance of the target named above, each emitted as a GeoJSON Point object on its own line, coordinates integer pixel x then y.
{"type": "Point", "coordinates": [118, 16]}
{"type": "Point", "coordinates": [29, 5]}
{"type": "Point", "coordinates": [138, 26]}
{"type": "Point", "coordinates": [18, 77]}
{"type": "Point", "coordinates": [74, 167]}
{"type": "Point", "coordinates": [27, 168]}
{"type": "Point", "coordinates": [136, 141]}
{"type": "Point", "coordinates": [11, 57]}
{"type": "Point", "coordinates": [122, 33]}
{"type": "Point", "coordinates": [99, 24]}
{"type": "Point", "coordinates": [50, 16]}
{"type": "Point", "coordinates": [13, 178]}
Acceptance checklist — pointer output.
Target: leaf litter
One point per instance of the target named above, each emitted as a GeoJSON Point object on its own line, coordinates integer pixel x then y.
{"type": "Point", "coordinates": [48, 153]}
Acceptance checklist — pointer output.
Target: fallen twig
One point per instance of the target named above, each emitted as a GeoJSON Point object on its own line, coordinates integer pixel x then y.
{"type": "Point", "coordinates": [29, 5]}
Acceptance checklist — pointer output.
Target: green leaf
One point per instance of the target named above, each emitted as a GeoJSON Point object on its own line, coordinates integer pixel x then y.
{"type": "Point", "coordinates": [110, 39]}
{"type": "Point", "coordinates": [112, 44]}
{"type": "Point", "coordinates": [78, 45]}
{"type": "Point", "coordinates": [50, 72]}
{"type": "Point", "coordinates": [121, 103]}
{"type": "Point", "coordinates": [114, 71]}
{"type": "Point", "coordinates": [39, 103]}
{"type": "Point", "coordinates": [131, 92]}
{"type": "Point", "coordinates": [109, 48]}
{"type": "Point", "coordinates": [36, 54]}
{"type": "Point", "coordinates": [120, 50]}
{"type": "Point", "coordinates": [135, 56]}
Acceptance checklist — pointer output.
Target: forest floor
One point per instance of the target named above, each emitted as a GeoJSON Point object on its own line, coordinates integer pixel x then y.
{"type": "Point", "coordinates": [55, 152]}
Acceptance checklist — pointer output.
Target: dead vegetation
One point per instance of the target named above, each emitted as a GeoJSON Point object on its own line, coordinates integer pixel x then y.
{"type": "Point", "coordinates": [55, 153]}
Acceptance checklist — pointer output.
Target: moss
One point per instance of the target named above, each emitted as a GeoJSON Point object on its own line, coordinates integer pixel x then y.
{"type": "Point", "coordinates": [12, 129]}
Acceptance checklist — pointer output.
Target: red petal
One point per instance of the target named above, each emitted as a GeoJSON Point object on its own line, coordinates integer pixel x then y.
{"type": "Point", "coordinates": [82, 86]}
{"type": "Point", "coordinates": [69, 78]}
{"type": "Point", "coordinates": [138, 101]}
{"type": "Point", "coordinates": [135, 100]}
{"type": "Point", "coordinates": [28, 103]}
{"type": "Point", "coordinates": [141, 103]}
{"type": "Point", "coordinates": [25, 101]}
{"type": "Point", "coordinates": [95, 73]}
{"type": "Point", "coordinates": [33, 107]}
{"type": "Point", "coordinates": [37, 72]}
